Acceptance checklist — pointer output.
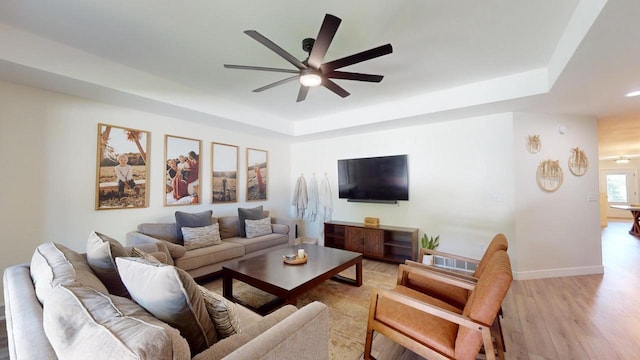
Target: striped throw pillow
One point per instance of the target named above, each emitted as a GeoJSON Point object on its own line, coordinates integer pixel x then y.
{"type": "Point", "coordinates": [199, 237]}
{"type": "Point", "coordinates": [255, 228]}
{"type": "Point", "coordinates": [222, 313]}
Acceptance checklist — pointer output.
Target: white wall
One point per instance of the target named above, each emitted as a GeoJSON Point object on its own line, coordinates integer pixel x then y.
{"type": "Point", "coordinates": [48, 154]}
{"type": "Point", "coordinates": [460, 179]}
{"type": "Point", "coordinates": [472, 178]}
{"type": "Point", "coordinates": [558, 233]}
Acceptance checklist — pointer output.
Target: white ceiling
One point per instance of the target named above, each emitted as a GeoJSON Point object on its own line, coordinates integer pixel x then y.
{"type": "Point", "coordinates": [450, 59]}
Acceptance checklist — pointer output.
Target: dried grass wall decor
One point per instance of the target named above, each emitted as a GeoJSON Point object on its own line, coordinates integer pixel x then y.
{"type": "Point", "coordinates": [578, 162]}
{"type": "Point", "coordinates": [533, 143]}
{"type": "Point", "coordinates": [549, 175]}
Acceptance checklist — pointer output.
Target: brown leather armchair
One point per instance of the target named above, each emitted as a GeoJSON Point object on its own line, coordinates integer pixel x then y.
{"type": "Point", "coordinates": [435, 329]}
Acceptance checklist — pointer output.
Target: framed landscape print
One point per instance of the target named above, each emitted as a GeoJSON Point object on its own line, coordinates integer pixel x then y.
{"type": "Point", "coordinates": [224, 182]}
{"type": "Point", "coordinates": [182, 170]}
{"type": "Point", "coordinates": [122, 168]}
{"type": "Point", "coordinates": [257, 175]}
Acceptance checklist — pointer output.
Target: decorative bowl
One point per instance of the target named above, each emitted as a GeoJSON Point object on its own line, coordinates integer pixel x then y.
{"type": "Point", "coordinates": [290, 256]}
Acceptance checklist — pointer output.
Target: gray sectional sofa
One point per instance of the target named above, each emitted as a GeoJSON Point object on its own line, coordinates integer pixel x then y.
{"type": "Point", "coordinates": [234, 246]}
{"type": "Point", "coordinates": [58, 307]}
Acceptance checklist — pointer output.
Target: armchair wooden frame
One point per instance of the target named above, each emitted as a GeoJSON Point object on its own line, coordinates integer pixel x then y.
{"type": "Point", "coordinates": [489, 332]}
{"type": "Point", "coordinates": [418, 348]}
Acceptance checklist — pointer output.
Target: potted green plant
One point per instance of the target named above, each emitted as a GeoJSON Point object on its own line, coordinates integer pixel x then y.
{"type": "Point", "coordinates": [431, 243]}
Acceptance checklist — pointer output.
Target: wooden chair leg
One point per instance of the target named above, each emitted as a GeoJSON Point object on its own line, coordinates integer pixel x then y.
{"type": "Point", "coordinates": [496, 329]}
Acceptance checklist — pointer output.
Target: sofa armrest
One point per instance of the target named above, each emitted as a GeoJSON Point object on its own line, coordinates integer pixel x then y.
{"type": "Point", "coordinates": [157, 249]}
{"type": "Point", "coordinates": [304, 334]}
{"type": "Point", "coordinates": [25, 335]}
{"type": "Point", "coordinates": [135, 238]}
{"type": "Point", "coordinates": [292, 227]}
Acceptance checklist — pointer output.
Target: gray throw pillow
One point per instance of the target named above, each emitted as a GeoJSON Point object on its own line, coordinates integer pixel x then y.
{"type": "Point", "coordinates": [184, 219]}
{"type": "Point", "coordinates": [101, 254]}
{"type": "Point", "coordinates": [248, 214]}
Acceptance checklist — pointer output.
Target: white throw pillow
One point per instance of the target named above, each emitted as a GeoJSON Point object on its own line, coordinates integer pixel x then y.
{"type": "Point", "coordinates": [203, 236]}
{"type": "Point", "coordinates": [255, 228]}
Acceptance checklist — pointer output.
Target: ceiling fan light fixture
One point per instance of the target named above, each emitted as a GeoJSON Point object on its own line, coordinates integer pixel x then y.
{"type": "Point", "coordinates": [622, 160]}
{"type": "Point", "coordinates": [310, 79]}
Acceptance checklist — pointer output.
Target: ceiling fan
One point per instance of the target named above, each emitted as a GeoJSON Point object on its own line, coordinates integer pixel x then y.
{"type": "Point", "coordinates": [311, 71]}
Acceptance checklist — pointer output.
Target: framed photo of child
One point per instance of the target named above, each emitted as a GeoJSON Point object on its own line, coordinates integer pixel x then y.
{"type": "Point", "coordinates": [257, 174]}
{"type": "Point", "coordinates": [182, 170]}
{"type": "Point", "coordinates": [122, 168]}
{"type": "Point", "coordinates": [224, 183]}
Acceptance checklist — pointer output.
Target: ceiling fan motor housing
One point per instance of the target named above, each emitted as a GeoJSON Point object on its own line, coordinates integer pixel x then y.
{"type": "Point", "coordinates": [307, 45]}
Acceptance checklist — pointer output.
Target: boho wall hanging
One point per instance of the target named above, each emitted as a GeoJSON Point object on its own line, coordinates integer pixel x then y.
{"type": "Point", "coordinates": [182, 174]}
{"type": "Point", "coordinates": [257, 175]}
{"type": "Point", "coordinates": [549, 175]}
{"type": "Point", "coordinates": [533, 143]}
{"type": "Point", "coordinates": [224, 182]}
{"type": "Point", "coordinates": [122, 168]}
{"type": "Point", "coordinates": [578, 162]}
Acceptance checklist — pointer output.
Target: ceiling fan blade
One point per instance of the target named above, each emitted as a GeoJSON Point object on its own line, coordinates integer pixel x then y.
{"type": "Point", "coordinates": [354, 76]}
{"type": "Point", "coordinates": [356, 58]}
{"type": "Point", "coordinates": [279, 82]}
{"type": "Point", "coordinates": [323, 40]}
{"type": "Point", "coordinates": [247, 67]}
{"type": "Point", "coordinates": [302, 94]}
{"type": "Point", "coordinates": [275, 48]}
{"type": "Point", "coordinates": [335, 87]}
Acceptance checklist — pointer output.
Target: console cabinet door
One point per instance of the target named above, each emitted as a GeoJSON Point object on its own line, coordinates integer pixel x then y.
{"type": "Point", "coordinates": [373, 242]}
{"type": "Point", "coordinates": [353, 239]}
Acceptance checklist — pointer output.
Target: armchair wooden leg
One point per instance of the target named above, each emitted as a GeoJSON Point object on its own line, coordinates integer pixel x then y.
{"type": "Point", "coordinates": [369, 340]}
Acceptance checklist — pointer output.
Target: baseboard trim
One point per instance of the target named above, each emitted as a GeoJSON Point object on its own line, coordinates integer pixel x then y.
{"type": "Point", "coordinates": [542, 274]}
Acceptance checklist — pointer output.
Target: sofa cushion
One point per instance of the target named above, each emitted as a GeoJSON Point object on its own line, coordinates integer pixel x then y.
{"type": "Point", "coordinates": [228, 226]}
{"type": "Point", "coordinates": [171, 295]}
{"type": "Point", "coordinates": [81, 323]}
{"type": "Point", "coordinates": [222, 313]}
{"type": "Point", "coordinates": [280, 229]}
{"type": "Point", "coordinates": [261, 242]}
{"type": "Point", "coordinates": [184, 219]}
{"type": "Point", "coordinates": [101, 253]}
{"type": "Point", "coordinates": [256, 213]}
{"type": "Point", "coordinates": [255, 228]}
{"type": "Point", "coordinates": [53, 264]}
{"type": "Point", "coordinates": [199, 237]}
{"type": "Point", "coordinates": [210, 255]}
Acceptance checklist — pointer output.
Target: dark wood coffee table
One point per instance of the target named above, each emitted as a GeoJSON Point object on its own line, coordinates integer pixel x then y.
{"type": "Point", "coordinates": [269, 273]}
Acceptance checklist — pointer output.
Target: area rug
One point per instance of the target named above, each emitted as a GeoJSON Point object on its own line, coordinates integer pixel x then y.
{"type": "Point", "coordinates": [348, 305]}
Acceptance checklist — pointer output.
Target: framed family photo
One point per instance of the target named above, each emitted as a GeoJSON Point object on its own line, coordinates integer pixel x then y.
{"type": "Point", "coordinates": [257, 174]}
{"type": "Point", "coordinates": [122, 168]}
{"type": "Point", "coordinates": [224, 182]}
{"type": "Point", "coordinates": [182, 170]}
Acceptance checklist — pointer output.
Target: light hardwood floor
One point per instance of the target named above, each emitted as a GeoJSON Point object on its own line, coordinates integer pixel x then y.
{"type": "Point", "coordinates": [577, 317]}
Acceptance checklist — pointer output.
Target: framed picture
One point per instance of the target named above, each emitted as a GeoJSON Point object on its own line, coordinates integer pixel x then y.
{"type": "Point", "coordinates": [122, 168]}
{"type": "Point", "coordinates": [224, 182]}
{"type": "Point", "coordinates": [182, 170]}
{"type": "Point", "coordinates": [257, 174]}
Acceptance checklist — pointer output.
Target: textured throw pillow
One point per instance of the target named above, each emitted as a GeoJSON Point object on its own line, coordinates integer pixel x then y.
{"type": "Point", "coordinates": [222, 313]}
{"type": "Point", "coordinates": [199, 237]}
{"type": "Point", "coordinates": [82, 323]}
{"type": "Point", "coordinates": [53, 264]}
{"type": "Point", "coordinates": [101, 254]}
{"type": "Point", "coordinates": [184, 219]}
{"type": "Point", "coordinates": [257, 228]}
{"type": "Point", "coordinates": [248, 214]}
{"type": "Point", "coordinates": [135, 252]}
{"type": "Point", "coordinates": [171, 295]}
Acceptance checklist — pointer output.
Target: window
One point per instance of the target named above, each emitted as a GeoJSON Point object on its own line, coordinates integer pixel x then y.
{"type": "Point", "coordinates": [617, 188]}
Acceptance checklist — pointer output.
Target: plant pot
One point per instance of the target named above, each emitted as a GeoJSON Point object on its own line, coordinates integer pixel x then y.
{"type": "Point", "coordinates": [427, 259]}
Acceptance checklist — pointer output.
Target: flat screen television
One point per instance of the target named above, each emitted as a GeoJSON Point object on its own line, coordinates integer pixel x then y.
{"type": "Point", "coordinates": [383, 179]}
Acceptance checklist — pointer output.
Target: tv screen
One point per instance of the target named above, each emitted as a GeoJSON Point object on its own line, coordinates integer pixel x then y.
{"type": "Point", "coordinates": [374, 179]}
